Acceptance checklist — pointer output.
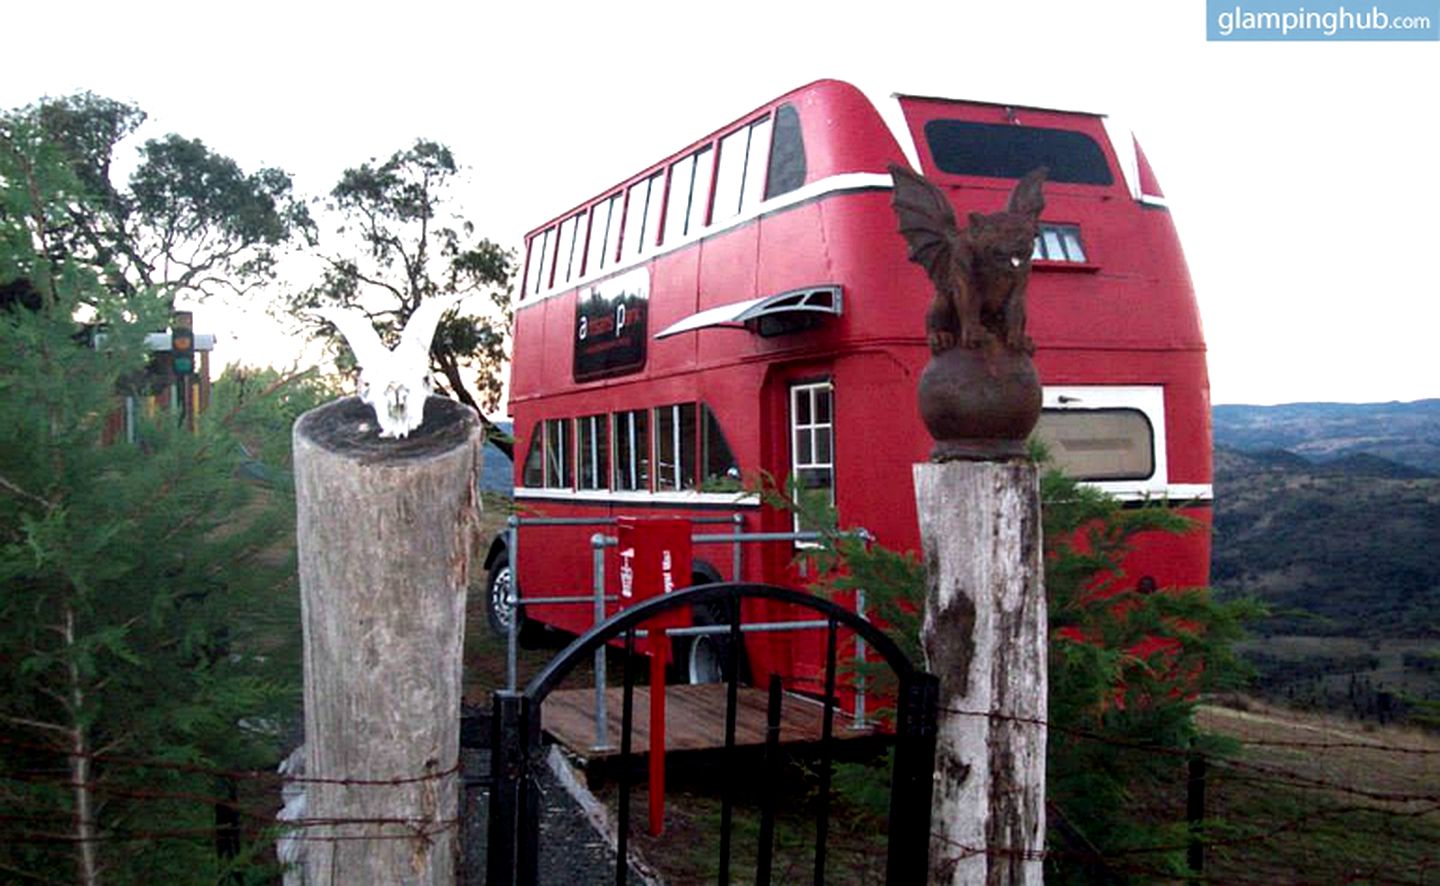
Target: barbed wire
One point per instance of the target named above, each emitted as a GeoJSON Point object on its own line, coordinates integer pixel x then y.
{"type": "Point", "coordinates": [40, 828]}
{"type": "Point", "coordinates": [235, 774]}
{"type": "Point", "coordinates": [433, 828]}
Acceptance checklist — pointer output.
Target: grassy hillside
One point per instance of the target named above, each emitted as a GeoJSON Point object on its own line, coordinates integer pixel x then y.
{"type": "Point", "coordinates": [1344, 548]}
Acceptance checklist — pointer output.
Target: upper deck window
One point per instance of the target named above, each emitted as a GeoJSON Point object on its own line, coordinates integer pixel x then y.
{"type": "Point", "coordinates": [689, 194]}
{"type": "Point", "coordinates": [570, 253]}
{"type": "Point", "coordinates": [604, 234]}
{"type": "Point", "coordinates": [542, 248]}
{"type": "Point", "coordinates": [740, 182]}
{"type": "Point", "coordinates": [642, 215]}
{"type": "Point", "coordinates": [1058, 243]}
{"type": "Point", "coordinates": [787, 154]}
{"type": "Point", "coordinates": [999, 150]}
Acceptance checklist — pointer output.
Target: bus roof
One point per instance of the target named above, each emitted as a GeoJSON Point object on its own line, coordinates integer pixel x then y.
{"type": "Point", "coordinates": [888, 105]}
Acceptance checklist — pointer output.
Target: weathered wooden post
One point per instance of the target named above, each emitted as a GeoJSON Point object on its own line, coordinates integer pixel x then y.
{"type": "Point", "coordinates": [384, 530]}
{"type": "Point", "coordinates": [984, 636]}
{"type": "Point", "coordinates": [984, 630]}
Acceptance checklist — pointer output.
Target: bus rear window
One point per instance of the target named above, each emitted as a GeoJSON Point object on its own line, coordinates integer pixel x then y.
{"type": "Point", "coordinates": [998, 150]}
{"type": "Point", "coordinates": [1099, 444]}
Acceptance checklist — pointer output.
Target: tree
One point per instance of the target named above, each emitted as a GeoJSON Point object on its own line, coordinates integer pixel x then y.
{"type": "Point", "coordinates": [190, 219]}
{"type": "Point", "coordinates": [147, 621]}
{"type": "Point", "coordinates": [412, 248]}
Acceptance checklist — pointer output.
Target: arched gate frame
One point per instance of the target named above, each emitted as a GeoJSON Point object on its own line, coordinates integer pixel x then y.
{"type": "Point", "coordinates": [514, 816]}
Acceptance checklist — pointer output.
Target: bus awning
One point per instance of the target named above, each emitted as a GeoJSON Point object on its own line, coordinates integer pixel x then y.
{"type": "Point", "coordinates": [796, 304]}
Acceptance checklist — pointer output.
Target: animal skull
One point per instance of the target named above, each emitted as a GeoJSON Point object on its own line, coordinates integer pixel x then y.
{"type": "Point", "coordinates": [393, 383]}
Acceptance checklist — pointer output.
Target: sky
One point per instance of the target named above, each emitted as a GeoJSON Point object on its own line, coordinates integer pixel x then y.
{"type": "Point", "coordinates": [1302, 176]}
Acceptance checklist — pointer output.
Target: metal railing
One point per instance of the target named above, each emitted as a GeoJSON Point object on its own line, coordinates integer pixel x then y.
{"type": "Point", "coordinates": [737, 538]}
{"type": "Point", "coordinates": [515, 801]}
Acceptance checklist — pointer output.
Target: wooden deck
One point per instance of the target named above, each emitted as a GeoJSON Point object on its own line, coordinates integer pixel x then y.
{"type": "Point", "coordinates": [694, 720]}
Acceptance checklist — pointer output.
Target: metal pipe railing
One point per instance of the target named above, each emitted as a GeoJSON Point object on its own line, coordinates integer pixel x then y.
{"type": "Point", "coordinates": [736, 538]}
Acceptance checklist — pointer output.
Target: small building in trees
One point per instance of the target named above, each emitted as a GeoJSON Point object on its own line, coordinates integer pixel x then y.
{"type": "Point", "coordinates": [176, 379]}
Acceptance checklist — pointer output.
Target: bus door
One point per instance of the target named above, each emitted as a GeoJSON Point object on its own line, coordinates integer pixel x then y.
{"type": "Point", "coordinates": [799, 453]}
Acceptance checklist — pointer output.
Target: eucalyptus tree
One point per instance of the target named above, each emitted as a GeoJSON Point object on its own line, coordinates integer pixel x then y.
{"type": "Point", "coordinates": [188, 219]}
{"type": "Point", "coordinates": [402, 242]}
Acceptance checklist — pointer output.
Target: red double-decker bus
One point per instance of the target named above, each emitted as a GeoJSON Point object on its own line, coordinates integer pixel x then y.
{"type": "Point", "coordinates": [746, 304]}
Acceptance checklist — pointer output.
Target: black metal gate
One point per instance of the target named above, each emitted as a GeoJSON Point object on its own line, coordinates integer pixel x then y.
{"type": "Point", "coordinates": [514, 801]}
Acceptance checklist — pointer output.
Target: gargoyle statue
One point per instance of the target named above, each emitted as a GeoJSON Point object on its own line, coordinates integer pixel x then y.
{"type": "Point", "coordinates": [393, 383]}
{"type": "Point", "coordinates": [979, 273]}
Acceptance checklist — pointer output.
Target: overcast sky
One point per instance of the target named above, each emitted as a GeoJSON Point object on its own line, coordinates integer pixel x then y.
{"type": "Point", "coordinates": [1302, 176]}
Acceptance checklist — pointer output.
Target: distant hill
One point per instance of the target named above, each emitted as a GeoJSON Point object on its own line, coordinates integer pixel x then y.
{"type": "Point", "coordinates": [497, 475]}
{"type": "Point", "coordinates": [1407, 433]}
{"type": "Point", "coordinates": [1352, 542]}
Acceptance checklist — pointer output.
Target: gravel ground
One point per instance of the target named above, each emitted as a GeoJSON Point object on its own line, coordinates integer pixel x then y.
{"type": "Point", "coordinates": [572, 853]}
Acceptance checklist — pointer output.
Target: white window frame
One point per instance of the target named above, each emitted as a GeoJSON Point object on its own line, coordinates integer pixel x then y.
{"type": "Point", "coordinates": [812, 428]}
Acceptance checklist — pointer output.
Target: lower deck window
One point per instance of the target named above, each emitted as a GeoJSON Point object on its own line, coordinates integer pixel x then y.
{"type": "Point", "coordinates": [1099, 444]}
{"type": "Point", "coordinates": [722, 472]}
{"type": "Point", "coordinates": [812, 448]}
{"type": "Point", "coordinates": [557, 453]}
{"type": "Point", "coordinates": [593, 439]}
{"type": "Point", "coordinates": [632, 450]}
{"type": "Point", "coordinates": [534, 474]}
{"type": "Point", "coordinates": [675, 447]}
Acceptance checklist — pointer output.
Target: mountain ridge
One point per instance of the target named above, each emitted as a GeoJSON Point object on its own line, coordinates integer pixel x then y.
{"type": "Point", "coordinates": [1407, 433]}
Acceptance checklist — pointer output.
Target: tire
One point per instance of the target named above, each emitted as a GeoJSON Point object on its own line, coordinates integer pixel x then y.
{"type": "Point", "coordinates": [498, 610]}
{"type": "Point", "coordinates": [706, 658]}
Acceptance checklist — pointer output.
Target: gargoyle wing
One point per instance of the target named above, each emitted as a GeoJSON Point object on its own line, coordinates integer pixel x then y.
{"type": "Point", "coordinates": [927, 222]}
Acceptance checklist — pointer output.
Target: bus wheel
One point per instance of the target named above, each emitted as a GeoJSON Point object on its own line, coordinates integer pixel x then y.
{"type": "Point", "coordinates": [706, 658]}
{"type": "Point", "coordinates": [499, 611]}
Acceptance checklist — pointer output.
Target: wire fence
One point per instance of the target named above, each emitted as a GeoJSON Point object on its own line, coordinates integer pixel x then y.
{"type": "Point", "coordinates": [1246, 848]}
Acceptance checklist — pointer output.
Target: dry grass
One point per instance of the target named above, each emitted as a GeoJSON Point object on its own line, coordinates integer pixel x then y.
{"type": "Point", "coordinates": [1317, 799]}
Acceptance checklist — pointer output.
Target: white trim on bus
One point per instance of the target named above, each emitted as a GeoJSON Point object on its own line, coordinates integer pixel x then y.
{"type": "Point", "coordinates": [887, 105]}
{"type": "Point", "coordinates": [848, 181]}
{"type": "Point", "coordinates": [1149, 400]}
{"type": "Point", "coordinates": [639, 498]}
